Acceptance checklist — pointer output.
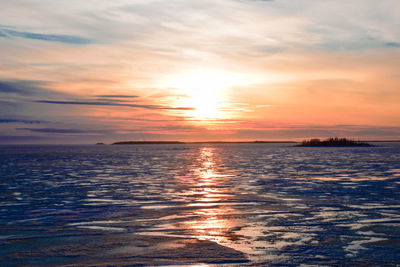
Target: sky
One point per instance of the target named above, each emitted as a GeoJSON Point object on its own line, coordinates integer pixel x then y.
{"type": "Point", "coordinates": [234, 70]}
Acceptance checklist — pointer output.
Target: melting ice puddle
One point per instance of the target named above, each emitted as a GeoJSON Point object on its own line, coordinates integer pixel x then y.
{"type": "Point", "coordinates": [144, 249]}
{"type": "Point", "coordinates": [158, 207]}
{"type": "Point", "coordinates": [32, 219]}
{"type": "Point", "coordinates": [373, 206]}
{"type": "Point", "coordinates": [223, 204]}
{"type": "Point", "coordinates": [355, 246]}
{"type": "Point", "coordinates": [95, 222]}
{"type": "Point", "coordinates": [165, 218]}
{"type": "Point", "coordinates": [103, 228]}
{"type": "Point", "coordinates": [3, 237]}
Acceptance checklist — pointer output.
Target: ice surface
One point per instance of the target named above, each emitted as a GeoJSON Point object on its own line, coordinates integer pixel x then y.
{"type": "Point", "coordinates": [248, 204]}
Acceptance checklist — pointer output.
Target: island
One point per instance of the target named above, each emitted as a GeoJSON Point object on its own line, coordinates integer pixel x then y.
{"type": "Point", "coordinates": [332, 142]}
{"type": "Point", "coordinates": [146, 142]}
{"type": "Point", "coordinates": [194, 142]}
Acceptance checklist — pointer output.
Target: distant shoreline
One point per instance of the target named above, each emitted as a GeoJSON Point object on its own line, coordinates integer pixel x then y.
{"type": "Point", "coordinates": [177, 142]}
{"type": "Point", "coordinates": [199, 142]}
{"type": "Point", "coordinates": [233, 142]}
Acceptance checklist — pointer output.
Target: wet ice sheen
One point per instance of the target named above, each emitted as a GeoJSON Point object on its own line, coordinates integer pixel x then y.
{"type": "Point", "coordinates": [193, 204]}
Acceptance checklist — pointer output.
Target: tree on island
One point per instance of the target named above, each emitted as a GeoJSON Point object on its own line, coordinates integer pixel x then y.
{"type": "Point", "coordinates": [333, 142]}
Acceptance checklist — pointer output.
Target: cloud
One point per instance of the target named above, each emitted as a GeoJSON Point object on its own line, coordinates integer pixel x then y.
{"type": "Point", "coordinates": [6, 120]}
{"type": "Point", "coordinates": [89, 103]}
{"type": "Point", "coordinates": [118, 96]}
{"type": "Point", "coordinates": [60, 38]}
{"type": "Point", "coordinates": [7, 139]}
{"type": "Point", "coordinates": [317, 131]}
{"type": "Point", "coordinates": [8, 104]}
{"type": "Point", "coordinates": [393, 44]}
{"type": "Point", "coordinates": [55, 131]}
{"type": "Point", "coordinates": [25, 88]}
{"type": "Point", "coordinates": [7, 88]}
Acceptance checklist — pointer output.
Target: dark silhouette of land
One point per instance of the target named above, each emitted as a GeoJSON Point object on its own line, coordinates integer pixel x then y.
{"type": "Point", "coordinates": [200, 142]}
{"type": "Point", "coordinates": [146, 142]}
{"type": "Point", "coordinates": [332, 142]}
{"type": "Point", "coordinates": [311, 142]}
{"type": "Point", "coordinates": [239, 142]}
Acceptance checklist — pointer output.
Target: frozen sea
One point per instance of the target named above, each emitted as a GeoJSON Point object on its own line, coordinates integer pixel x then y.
{"type": "Point", "coordinates": [200, 204]}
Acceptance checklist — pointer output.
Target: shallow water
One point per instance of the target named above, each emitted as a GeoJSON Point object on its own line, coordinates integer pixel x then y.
{"type": "Point", "coordinates": [249, 204]}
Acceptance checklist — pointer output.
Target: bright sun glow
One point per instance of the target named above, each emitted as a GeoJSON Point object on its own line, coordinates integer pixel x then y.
{"type": "Point", "coordinates": [205, 91]}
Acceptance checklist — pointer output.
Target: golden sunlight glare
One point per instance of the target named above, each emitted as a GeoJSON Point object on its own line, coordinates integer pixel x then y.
{"type": "Point", "coordinates": [205, 91]}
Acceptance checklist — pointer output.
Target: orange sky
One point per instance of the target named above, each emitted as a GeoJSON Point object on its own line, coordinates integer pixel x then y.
{"type": "Point", "coordinates": [98, 71]}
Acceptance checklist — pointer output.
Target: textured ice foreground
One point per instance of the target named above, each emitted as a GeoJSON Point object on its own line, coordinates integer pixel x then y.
{"type": "Point", "coordinates": [247, 204]}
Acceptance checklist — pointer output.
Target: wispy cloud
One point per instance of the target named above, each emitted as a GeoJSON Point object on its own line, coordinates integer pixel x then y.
{"type": "Point", "coordinates": [118, 96]}
{"type": "Point", "coordinates": [11, 120]}
{"type": "Point", "coordinates": [9, 139]}
{"type": "Point", "coordinates": [55, 130]}
{"type": "Point", "coordinates": [89, 103]}
{"type": "Point", "coordinates": [393, 44]}
{"type": "Point", "coordinates": [7, 88]}
{"type": "Point", "coordinates": [60, 38]}
{"type": "Point", "coordinates": [25, 87]}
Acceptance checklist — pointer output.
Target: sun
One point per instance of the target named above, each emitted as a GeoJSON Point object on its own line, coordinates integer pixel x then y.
{"type": "Point", "coordinates": [205, 91]}
{"type": "Point", "coordinates": [202, 91]}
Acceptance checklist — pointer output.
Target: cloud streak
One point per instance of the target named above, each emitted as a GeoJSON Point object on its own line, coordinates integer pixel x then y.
{"type": "Point", "coordinates": [7, 88]}
{"type": "Point", "coordinates": [89, 103]}
{"type": "Point", "coordinates": [118, 96]}
{"type": "Point", "coordinates": [393, 44]}
{"type": "Point", "coordinates": [26, 88]}
{"type": "Point", "coordinates": [6, 120]}
{"type": "Point", "coordinates": [59, 38]}
{"type": "Point", "coordinates": [55, 130]}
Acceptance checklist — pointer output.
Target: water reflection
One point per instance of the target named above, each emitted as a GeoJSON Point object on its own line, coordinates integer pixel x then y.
{"type": "Point", "coordinates": [211, 219]}
{"type": "Point", "coordinates": [151, 205]}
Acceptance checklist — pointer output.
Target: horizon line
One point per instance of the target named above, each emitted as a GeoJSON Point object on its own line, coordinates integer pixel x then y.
{"type": "Point", "coordinates": [136, 142]}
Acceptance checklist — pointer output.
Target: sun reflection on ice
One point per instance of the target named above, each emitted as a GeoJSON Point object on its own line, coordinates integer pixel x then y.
{"type": "Point", "coordinates": [216, 210]}
{"type": "Point", "coordinates": [211, 220]}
